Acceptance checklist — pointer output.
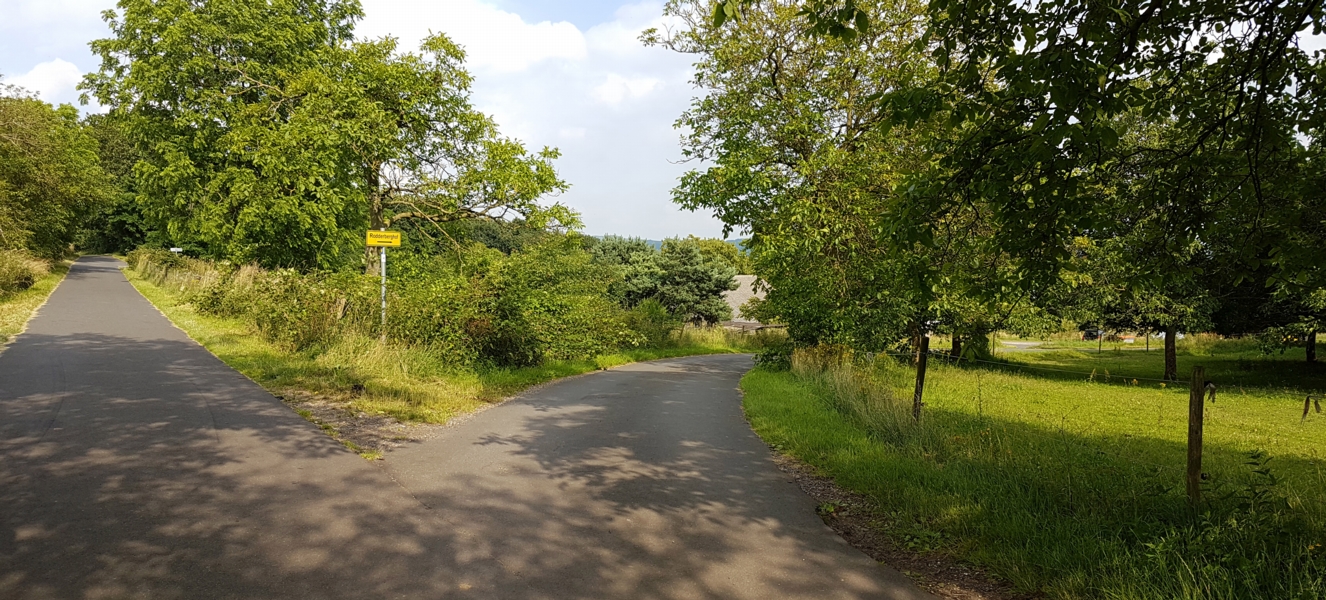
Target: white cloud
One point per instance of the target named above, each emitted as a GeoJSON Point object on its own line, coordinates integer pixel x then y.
{"type": "Point", "coordinates": [54, 81]}
{"type": "Point", "coordinates": [598, 94]}
{"type": "Point", "coordinates": [617, 88]}
{"type": "Point", "coordinates": [494, 40]}
{"type": "Point", "coordinates": [571, 133]}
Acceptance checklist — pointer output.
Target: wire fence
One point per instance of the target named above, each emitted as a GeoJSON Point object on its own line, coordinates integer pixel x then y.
{"type": "Point", "coordinates": [1091, 375]}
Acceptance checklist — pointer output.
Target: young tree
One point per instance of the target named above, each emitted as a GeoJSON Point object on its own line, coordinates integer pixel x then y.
{"type": "Point", "coordinates": [722, 251]}
{"type": "Point", "coordinates": [691, 285]}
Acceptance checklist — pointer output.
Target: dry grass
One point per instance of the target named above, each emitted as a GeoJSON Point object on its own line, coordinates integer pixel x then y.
{"type": "Point", "coordinates": [17, 308]}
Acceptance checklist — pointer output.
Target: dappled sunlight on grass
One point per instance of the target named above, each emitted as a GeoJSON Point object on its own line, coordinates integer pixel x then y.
{"type": "Point", "coordinates": [1069, 487]}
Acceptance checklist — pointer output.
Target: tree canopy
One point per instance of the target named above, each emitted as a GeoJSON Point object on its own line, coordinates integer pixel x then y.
{"type": "Point", "coordinates": [50, 174]}
{"type": "Point", "coordinates": [1178, 141]}
{"type": "Point", "coordinates": [268, 133]}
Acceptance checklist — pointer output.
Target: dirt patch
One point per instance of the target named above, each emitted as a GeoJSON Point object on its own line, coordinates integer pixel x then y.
{"type": "Point", "coordinates": [370, 435]}
{"type": "Point", "coordinates": [854, 517]}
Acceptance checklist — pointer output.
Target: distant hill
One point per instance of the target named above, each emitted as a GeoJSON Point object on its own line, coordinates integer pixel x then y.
{"type": "Point", "coordinates": [658, 244]}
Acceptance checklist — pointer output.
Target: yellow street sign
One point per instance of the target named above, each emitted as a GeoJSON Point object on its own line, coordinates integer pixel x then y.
{"type": "Point", "coordinates": [391, 239]}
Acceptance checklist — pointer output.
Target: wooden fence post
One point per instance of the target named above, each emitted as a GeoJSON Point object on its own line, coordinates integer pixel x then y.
{"type": "Point", "coordinates": [924, 353]}
{"type": "Point", "coordinates": [1196, 408]}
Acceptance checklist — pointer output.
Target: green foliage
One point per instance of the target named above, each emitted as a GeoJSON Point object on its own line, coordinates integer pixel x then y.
{"type": "Point", "coordinates": [653, 322]}
{"type": "Point", "coordinates": [1109, 519]}
{"type": "Point", "coordinates": [1040, 124]}
{"type": "Point", "coordinates": [50, 177]}
{"type": "Point", "coordinates": [548, 302]}
{"type": "Point", "coordinates": [799, 159]}
{"type": "Point", "coordinates": [200, 89]}
{"type": "Point", "coordinates": [721, 251]}
{"type": "Point", "coordinates": [118, 226]}
{"type": "Point", "coordinates": [19, 271]}
{"type": "Point", "coordinates": [686, 278]}
{"type": "Point", "coordinates": [551, 303]}
{"type": "Point", "coordinates": [692, 284]}
{"type": "Point", "coordinates": [617, 250]}
{"type": "Point", "coordinates": [267, 133]}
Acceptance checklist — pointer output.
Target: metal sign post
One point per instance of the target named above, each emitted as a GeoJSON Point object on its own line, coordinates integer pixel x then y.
{"type": "Point", "coordinates": [383, 239]}
{"type": "Point", "coordinates": [382, 252]}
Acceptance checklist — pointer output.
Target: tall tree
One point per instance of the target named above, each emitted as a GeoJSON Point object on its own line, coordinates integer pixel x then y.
{"type": "Point", "coordinates": [269, 134]}
{"type": "Point", "coordinates": [1034, 92]}
{"type": "Point", "coordinates": [802, 156]}
{"type": "Point", "coordinates": [50, 175]}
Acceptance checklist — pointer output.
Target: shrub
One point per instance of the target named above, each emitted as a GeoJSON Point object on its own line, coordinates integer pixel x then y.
{"type": "Point", "coordinates": [19, 271]}
{"type": "Point", "coordinates": [551, 302]}
{"type": "Point", "coordinates": [443, 312]}
{"type": "Point", "coordinates": [546, 302]}
{"type": "Point", "coordinates": [653, 322]}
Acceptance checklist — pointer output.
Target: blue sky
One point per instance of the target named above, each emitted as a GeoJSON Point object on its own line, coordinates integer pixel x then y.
{"type": "Point", "coordinates": [568, 74]}
{"type": "Point", "coordinates": [583, 14]}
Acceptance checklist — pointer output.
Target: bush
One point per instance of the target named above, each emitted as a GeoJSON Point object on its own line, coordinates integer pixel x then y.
{"type": "Point", "coordinates": [442, 311]}
{"type": "Point", "coordinates": [653, 322]}
{"type": "Point", "coordinates": [547, 302]}
{"type": "Point", "coordinates": [19, 271]}
{"type": "Point", "coordinates": [551, 302]}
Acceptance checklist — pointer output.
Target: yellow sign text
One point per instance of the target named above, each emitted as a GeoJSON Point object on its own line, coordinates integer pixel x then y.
{"type": "Point", "coordinates": [389, 239]}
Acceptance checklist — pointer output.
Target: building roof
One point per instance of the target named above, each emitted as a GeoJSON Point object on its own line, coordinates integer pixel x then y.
{"type": "Point", "coordinates": [740, 296]}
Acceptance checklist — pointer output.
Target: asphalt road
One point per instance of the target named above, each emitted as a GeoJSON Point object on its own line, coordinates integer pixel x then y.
{"type": "Point", "coordinates": [134, 464]}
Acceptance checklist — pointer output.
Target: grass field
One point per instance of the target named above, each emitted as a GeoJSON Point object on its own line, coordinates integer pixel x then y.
{"type": "Point", "coordinates": [18, 307]}
{"type": "Point", "coordinates": [408, 383]}
{"type": "Point", "coordinates": [1073, 487]}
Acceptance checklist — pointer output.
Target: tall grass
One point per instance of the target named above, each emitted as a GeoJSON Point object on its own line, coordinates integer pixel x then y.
{"type": "Point", "coordinates": [1071, 489]}
{"type": "Point", "coordinates": [20, 271]}
{"type": "Point", "coordinates": [320, 334]}
{"type": "Point", "coordinates": [25, 283]}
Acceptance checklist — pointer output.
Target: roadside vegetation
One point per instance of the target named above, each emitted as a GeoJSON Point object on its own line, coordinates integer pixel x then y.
{"type": "Point", "coordinates": [459, 335]}
{"type": "Point", "coordinates": [1066, 486]}
{"type": "Point", "coordinates": [922, 179]}
{"type": "Point", "coordinates": [909, 174]}
{"type": "Point", "coordinates": [25, 283]}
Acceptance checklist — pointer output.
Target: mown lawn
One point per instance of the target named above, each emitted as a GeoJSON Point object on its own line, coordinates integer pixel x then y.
{"type": "Point", "coordinates": [17, 308]}
{"type": "Point", "coordinates": [1072, 487]}
{"type": "Point", "coordinates": [408, 383]}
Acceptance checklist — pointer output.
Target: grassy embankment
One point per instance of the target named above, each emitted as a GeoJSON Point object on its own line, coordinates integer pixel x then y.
{"type": "Point", "coordinates": [16, 308]}
{"type": "Point", "coordinates": [1072, 486]}
{"type": "Point", "coordinates": [406, 382]}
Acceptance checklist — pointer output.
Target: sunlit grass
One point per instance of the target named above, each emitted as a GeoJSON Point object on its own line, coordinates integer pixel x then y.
{"type": "Point", "coordinates": [1065, 486]}
{"type": "Point", "coordinates": [18, 307]}
{"type": "Point", "coordinates": [409, 383]}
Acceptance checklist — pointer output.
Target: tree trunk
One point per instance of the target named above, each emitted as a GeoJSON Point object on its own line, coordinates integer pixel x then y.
{"type": "Point", "coordinates": [956, 352]}
{"type": "Point", "coordinates": [1312, 347]}
{"type": "Point", "coordinates": [1171, 355]}
{"type": "Point", "coordinates": [372, 256]}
